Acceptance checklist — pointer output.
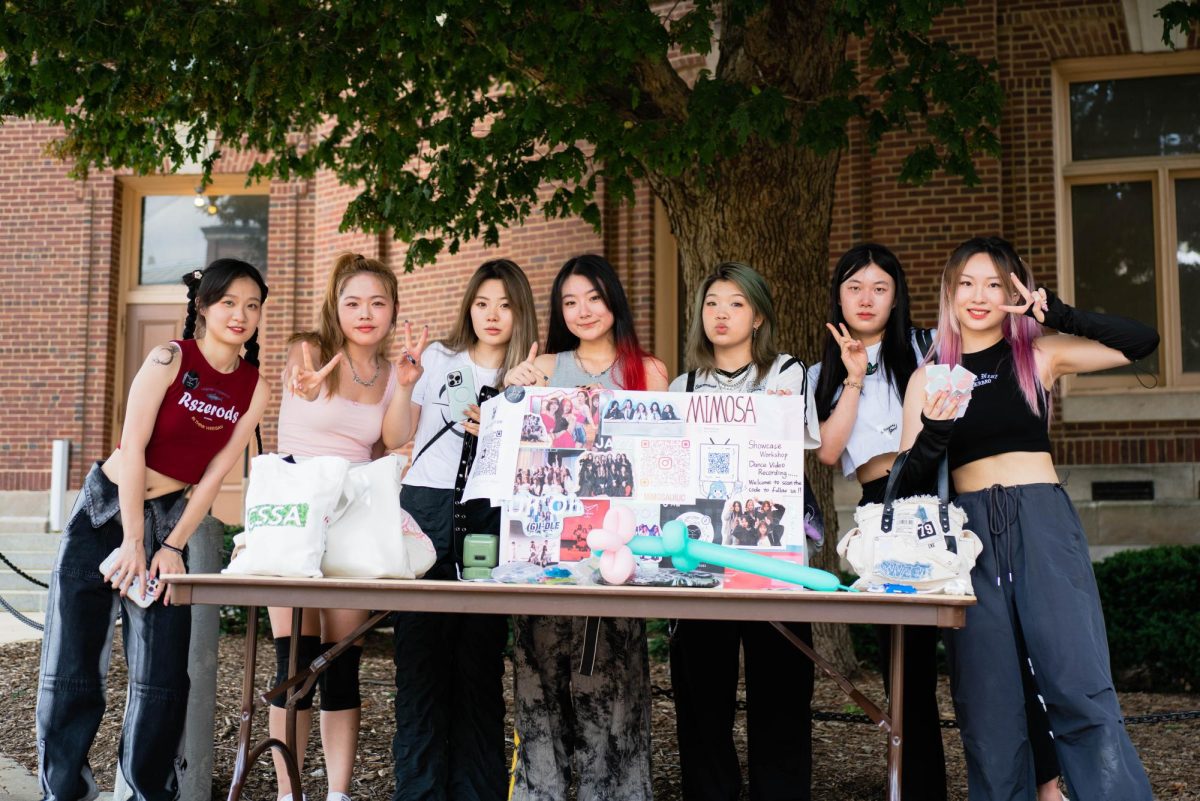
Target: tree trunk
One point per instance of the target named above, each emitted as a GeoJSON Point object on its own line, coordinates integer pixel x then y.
{"type": "Point", "coordinates": [771, 208]}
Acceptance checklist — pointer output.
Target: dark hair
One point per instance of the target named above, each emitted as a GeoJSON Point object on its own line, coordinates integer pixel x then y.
{"type": "Point", "coordinates": [206, 287]}
{"type": "Point", "coordinates": [896, 357]}
{"type": "Point", "coordinates": [629, 370]}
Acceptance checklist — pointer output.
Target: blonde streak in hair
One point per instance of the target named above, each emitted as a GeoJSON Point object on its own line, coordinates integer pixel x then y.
{"type": "Point", "coordinates": [698, 350]}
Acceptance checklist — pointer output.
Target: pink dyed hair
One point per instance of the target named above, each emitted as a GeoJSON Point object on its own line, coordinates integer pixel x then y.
{"type": "Point", "coordinates": [1020, 331]}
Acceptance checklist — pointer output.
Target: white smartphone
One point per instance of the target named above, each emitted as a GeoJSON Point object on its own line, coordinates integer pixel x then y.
{"type": "Point", "coordinates": [461, 393]}
{"type": "Point", "coordinates": [134, 593]}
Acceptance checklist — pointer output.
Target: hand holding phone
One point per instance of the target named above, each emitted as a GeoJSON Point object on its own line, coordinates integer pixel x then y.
{"type": "Point", "coordinates": [134, 593]}
{"type": "Point", "coordinates": [461, 393]}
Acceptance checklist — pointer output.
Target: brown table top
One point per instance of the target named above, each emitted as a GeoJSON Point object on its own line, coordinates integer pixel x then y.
{"type": "Point", "coordinates": [533, 599]}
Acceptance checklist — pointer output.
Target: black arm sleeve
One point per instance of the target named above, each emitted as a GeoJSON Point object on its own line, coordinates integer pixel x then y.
{"type": "Point", "coordinates": [1135, 340]}
{"type": "Point", "coordinates": [919, 474]}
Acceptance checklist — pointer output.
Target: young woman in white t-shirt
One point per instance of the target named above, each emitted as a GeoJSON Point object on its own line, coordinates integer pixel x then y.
{"type": "Point", "coordinates": [870, 353]}
{"type": "Point", "coordinates": [449, 740]}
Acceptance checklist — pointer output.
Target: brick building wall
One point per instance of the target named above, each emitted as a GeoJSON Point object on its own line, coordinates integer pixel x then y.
{"type": "Point", "coordinates": [60, 242]}
{"type": "Point", "coordinates": [1014, 199]}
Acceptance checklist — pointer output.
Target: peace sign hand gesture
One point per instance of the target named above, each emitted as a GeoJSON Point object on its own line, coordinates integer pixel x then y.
{"type": "Point", "coordinates": [304, 380]}
{"type": "Point", "coordinates": [525, 374]}
{"type": "Point", "coordinates": [854, 355]}
{"type": "Point", "coordinates": [1036, 299]}
{"type": "Point", "coordinates": [408, 366]}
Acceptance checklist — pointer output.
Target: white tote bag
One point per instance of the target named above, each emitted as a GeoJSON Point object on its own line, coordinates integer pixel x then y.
{"type": "Point", "coordinates": [288, 509]}
{"type": "Point", "coordinates": [373, 537]}
{"type": "Point", "coordinates": [918, 542]}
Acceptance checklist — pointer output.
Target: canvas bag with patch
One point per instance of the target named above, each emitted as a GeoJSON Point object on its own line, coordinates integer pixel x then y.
{"type": "Point", "coordinates": [288, 510]}
{"type": "Point", "coordinates": [917, 541]}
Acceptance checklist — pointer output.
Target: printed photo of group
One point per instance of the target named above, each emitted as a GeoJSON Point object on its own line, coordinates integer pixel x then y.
{"type": "Point", "coordinates": [562, 420]}
{"type": "Point", "coordinates": [753, 523]}
{"type": "Point", "coordinates": [546, 472]}
{"type": "Point", "coordinates": [627, 417]}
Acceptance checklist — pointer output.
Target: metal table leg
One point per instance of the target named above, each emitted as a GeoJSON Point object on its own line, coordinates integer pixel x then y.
{"type": "Point", "coordinates": [896, 735]}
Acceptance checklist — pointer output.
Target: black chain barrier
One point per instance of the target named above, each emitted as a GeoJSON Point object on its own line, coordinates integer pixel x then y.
{"type": "Point", "coordinates": [21, 572]}
{"type": "Point", "coordinates": [950, 723]}
{"type": "Point", "coordinates": [33, 624]}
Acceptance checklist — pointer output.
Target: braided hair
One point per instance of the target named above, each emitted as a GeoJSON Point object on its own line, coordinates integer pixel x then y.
{"type": "Point", "coordinates": [206, 287]}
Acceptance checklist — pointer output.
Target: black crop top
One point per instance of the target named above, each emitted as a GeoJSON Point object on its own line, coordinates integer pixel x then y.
{"type": "Point", "coordinates": [997, 420]}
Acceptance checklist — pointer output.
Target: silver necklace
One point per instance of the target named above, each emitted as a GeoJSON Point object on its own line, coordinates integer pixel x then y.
{"type": "Point", "coordinates": [354, 373]}
{"type": "Point", "coordinates": [735, 383]}
{"type": "Point", "coordinates": [590, 374]}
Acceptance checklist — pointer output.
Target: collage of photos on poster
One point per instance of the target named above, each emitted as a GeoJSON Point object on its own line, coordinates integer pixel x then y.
{"type": "Point", "coordinates": [582, 450]}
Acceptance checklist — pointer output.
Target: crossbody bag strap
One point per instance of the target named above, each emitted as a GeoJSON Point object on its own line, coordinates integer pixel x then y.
{"type": "Point", "coordinates": [433, 439]}
{"type": "Point", "coordinates": [691, 381]}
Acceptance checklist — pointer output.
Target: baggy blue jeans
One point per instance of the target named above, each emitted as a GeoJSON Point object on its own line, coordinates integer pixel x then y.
{"type": "Point", "coordinates": [1036, 597]}
{"type": "Point", "coordinates": [77, 645]}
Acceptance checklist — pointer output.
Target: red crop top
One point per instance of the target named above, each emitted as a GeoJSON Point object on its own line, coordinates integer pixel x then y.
{"type": "Point", "coordinates": [197, 415]}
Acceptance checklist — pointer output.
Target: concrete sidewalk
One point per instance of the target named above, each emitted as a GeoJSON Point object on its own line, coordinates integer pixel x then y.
{"type": "Point", "coordinates": [18, 784]}
{"type": "Point", "coordinates": [13, 630]}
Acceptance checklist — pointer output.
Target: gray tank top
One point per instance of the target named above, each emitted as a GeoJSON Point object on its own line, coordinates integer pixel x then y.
{"type": "Point", "coordinates": [568, 373]}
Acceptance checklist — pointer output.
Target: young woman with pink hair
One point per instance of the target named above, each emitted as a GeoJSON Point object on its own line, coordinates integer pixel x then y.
{"type": "Point", "coordinates": [1037, 603]}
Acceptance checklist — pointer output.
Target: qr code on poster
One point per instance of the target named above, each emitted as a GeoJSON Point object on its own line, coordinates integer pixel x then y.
{"type": "Point", "coordinates": [718, 462]}
{"type": "Point", "coordinates": [664, 464]}
{"type": "Point", "coordinates": [487, 460]}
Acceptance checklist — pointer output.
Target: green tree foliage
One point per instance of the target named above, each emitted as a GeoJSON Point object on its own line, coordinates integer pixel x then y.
{"type": "Point", "coordinates": [448, 115]}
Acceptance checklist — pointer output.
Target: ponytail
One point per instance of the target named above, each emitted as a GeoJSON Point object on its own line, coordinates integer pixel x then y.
{"type": "Point", "coordinates": [192, 282]}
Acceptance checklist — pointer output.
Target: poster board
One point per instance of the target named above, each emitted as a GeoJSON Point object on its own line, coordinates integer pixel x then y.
{"type": "Point", "coordinates": [729, 466]}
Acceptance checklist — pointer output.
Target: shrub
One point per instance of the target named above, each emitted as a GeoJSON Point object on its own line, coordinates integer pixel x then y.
{"type": "Point", "coordinates": [1151, 603]}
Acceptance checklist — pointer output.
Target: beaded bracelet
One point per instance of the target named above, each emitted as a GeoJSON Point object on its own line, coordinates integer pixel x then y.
{"type": "Point", "coordinates": [855, 384]}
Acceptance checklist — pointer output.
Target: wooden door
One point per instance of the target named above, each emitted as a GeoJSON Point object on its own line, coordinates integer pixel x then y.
{"type": "Point", "coordinates": [148, 325]}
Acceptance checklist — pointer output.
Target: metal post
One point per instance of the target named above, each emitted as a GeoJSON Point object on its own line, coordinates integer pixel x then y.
{"type": "Point", "coordinates": [60, 456]}
{"type": "Point", "coordinates": [204, 556]}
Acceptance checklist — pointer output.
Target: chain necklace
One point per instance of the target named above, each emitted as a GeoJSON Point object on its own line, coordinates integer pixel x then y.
{"type": "Point", "coordinates": [354, 373]}
{"type": "Point", "coordinates": [588, 372]}
{"type": "Point", "coordinates": [734, 380]}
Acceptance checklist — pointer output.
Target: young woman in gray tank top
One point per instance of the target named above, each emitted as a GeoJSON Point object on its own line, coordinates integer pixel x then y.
{"type": "Point", "coordinates": [598, 711]}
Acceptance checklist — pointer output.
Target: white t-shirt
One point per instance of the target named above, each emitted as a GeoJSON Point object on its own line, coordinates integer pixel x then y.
{"type": "Point", "coordinates": [438, 465]}
{"type": "Point", "coordinates": [877, 427]}
{"type": "Point", "coordinates": [786, 373]}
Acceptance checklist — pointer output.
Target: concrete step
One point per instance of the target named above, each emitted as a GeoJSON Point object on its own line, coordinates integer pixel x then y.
{"type": "Point", "coordinates": [10, 581]}
{"type": "Point", "coordinates": [25, 600]}
{"type": "Point", "coordinates": [29, 541]}
{"type": "Point", "coordinates": [11, 524]}
{"type": "Point", "coordinates": [29, 560]}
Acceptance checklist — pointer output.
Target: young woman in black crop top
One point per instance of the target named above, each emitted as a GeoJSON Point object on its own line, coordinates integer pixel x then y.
{"type": "Point", "coordinates": [1037, 602]}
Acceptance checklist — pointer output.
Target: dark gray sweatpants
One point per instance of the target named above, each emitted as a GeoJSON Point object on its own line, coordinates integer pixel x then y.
{"type": "Point", "coordinates": [1036, 594]}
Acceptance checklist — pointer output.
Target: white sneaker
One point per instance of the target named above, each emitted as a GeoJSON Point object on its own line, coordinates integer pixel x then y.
{"type": "Point", "coordinates": [337, 796]}
{"type": "Point", "coordinates": [288, 797]}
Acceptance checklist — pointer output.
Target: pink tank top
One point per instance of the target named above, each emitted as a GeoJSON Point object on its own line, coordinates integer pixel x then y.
{"type": "Point", "coordinates": [332, 426]}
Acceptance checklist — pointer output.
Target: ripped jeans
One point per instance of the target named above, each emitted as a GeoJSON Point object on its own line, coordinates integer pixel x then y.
{"type": "Point", "coordinates": [76, 647]}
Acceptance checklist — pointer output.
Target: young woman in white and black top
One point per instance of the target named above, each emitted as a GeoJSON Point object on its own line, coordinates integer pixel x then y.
{"type": "Point", "coordinates": [731, 346]}
{"type": "Point", "coordinates": [449, 705]}
{"type": "Point", "coordinates": [870, 353]}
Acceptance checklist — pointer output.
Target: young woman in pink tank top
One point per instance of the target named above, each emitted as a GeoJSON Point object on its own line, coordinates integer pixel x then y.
{"type": "Point", "coordinates": [342, 397]}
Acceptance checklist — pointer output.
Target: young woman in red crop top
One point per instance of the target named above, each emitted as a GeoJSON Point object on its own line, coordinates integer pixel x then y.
{"type": "Point", "coordinates": [1037, 603]}
{"type": "Point", "coordinates": [192, 407]}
